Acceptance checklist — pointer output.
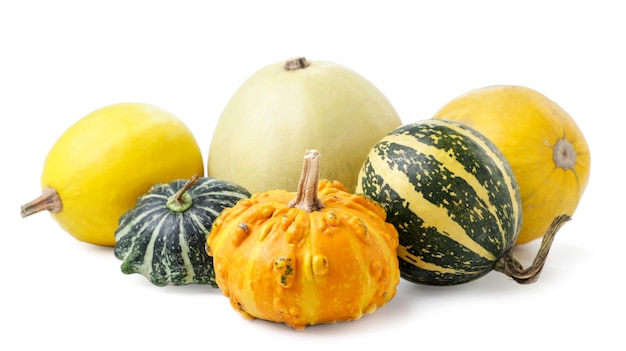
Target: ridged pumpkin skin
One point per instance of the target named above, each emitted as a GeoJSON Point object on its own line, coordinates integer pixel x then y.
{"type": "Point", "coordinates": [450, 194]}
{"type": "Point", "coordinates": [286, 265]}
{"type": "Point", "coordinates": [165, 241]}
{"type": "Point", "coordinates": [105, 161]}
{"type": "Point", "coordinates": [542, 142]}
{"type": "Point", "coordinates": [323, 106]}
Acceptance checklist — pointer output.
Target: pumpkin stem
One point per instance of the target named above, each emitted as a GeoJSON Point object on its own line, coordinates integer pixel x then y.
{"type": "Point", "coordinates": [296, 63]}
{"type": "Point", "coordinates": [306, 195]}
{"type": "Point", "coordinates": [48, 200]}
{"type": "Point", "coordinates": [181, 201]}
{"type": "Point", "coordinates": [510, 266]}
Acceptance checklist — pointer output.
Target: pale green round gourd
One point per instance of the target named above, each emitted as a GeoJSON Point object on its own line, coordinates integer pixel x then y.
{"type": "Point", "coordinates": [287, 107]}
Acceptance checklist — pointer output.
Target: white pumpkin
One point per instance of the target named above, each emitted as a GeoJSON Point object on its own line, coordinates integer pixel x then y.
{"type": "Point", "coordinates": [288, 107]}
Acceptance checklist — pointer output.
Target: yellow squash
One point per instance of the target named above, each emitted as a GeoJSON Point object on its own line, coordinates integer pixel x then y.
{"type": "Point", "coordinates": [319, 255]}
{"type": "Point", "coordinates": [98, 168]}
{"type": "Point", "coordinates": [546, 149]}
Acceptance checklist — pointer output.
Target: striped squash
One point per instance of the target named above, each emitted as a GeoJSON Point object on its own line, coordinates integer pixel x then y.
{"type": "Point", "coordinates": [450, 194]}
{"type": "Point", "coordinates": [164, 236]}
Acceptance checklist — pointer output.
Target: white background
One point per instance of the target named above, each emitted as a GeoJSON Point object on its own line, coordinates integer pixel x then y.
{"type": "Point", "coordinates": [60, 60]}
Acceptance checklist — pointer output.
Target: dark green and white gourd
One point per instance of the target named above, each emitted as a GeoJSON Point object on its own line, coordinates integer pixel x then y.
{"type": "Point", "coordinates": [454, 200]}
{"type": "Point", "coordinates": [164, 236]}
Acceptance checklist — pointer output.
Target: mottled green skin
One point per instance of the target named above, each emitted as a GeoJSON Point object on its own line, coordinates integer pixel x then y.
{"type": "Point", "coordinates": [168, 247]}
{"type": "Point", "coordinates": [439, 186]}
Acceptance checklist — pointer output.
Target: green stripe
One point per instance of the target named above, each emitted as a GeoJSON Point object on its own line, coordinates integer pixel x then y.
{"type": "Point", "coordinates": [478, 157]}
{"type": "Point", "coordinates": [497, 168]}
{"type": "Point", "coordinates": [168, 247]}
{"type": "Point", "coordinates": [450, 194]}
{"type": "Point", "coordinates": [441, 253]}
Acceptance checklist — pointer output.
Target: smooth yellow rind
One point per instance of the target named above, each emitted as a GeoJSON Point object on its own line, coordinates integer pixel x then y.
{"type": "Point", "coordinates": [525, 125]}
{"type": "Point", "coordinates": [106, 160]}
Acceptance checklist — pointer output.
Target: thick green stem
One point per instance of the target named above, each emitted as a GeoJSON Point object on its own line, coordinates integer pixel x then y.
{"type": "Point", "coordinates": [510, 266]}
{"type": "Point", "coordinates": [49, 200]}
{"type": "Point", "coordinates": [306, 195]}
{"type": "Point", "coordinates": [181, 201]}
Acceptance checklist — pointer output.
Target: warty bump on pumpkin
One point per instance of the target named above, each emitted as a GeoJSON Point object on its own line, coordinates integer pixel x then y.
{"type": "Point", "coordinates": [320, 255]}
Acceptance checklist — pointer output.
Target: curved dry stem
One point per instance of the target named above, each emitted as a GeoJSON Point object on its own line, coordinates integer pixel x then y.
{"type": "Point", "coordinates": [510, 266]}
{"type": "Point", "coordinates": [181, 201]}
{"type": "Point", "coordinates": [178, 197]}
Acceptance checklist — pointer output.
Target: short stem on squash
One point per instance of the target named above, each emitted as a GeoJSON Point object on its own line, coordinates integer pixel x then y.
{"type": "Point", "coordinates": [564, 154]}
{"type": "Point", "coordinates": [510, 266]}
{"type": "Point", "coordinates": [181, 201]}
{"type": "Point", "coordinates": [306, 195]}
{"type": "Point", "coordinates": [49, 200]}
{"type": "Point", "coordinates": [296, 63]}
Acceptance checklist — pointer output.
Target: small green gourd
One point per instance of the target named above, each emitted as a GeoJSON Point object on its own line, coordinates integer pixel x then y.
{"type": "Point", "coordinates": [164, 236]}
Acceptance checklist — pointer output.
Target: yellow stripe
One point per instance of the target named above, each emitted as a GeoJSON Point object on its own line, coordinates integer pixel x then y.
{"type": "Point", "coordinates": [432, 214]}
{"type": "Point", "coordinates": [509, 181]}
{"type": "Point", "coordinates": [407, 256]}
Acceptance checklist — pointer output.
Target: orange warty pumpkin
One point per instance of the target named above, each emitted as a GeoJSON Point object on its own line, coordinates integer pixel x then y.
{"type": "Point", "coordinates": [320, 255]}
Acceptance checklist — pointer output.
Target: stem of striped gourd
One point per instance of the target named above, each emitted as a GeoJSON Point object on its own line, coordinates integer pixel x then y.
{"type": "Point", "coordinates": [181, 201]}
{"type": "Point", "coordinates": [510, 266]}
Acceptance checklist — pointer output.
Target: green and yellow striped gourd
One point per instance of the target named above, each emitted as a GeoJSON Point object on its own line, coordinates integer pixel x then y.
{"type": "Point", "coordinates": [451, 195]}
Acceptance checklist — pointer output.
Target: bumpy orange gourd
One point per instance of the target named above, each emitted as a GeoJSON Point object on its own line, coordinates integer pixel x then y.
{"type": "Point", "coordinates": [320, 255]}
